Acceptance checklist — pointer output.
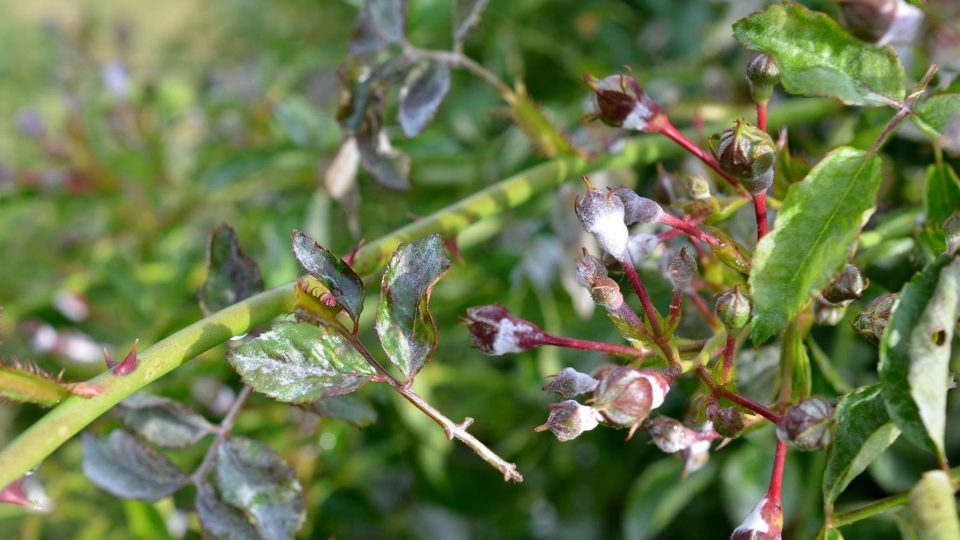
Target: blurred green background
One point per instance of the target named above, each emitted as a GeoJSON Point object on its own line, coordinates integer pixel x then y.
{"type": "Point", "coordinates": [129, 129]}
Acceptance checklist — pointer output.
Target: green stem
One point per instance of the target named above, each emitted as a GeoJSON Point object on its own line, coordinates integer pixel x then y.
{"type": "Point", "coordinates": [75, 413]}
{"type": "Point", "coordinates": [882, 505]}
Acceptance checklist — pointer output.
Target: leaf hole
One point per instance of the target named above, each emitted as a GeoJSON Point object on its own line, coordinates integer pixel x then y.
{"type": "Point", "coordinates": [939, 337]}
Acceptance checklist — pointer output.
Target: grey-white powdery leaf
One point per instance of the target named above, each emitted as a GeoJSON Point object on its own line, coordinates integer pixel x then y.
{"type": "Point", "coordinates": [254, 478]}
{"type": "Point", "coordinates": [220, 520]}
{"type": "Point", "coordinates": [389, 18]}
{"type": "Point", "coordinates": [162, 421]}
{"type": "Point", "coordinates": [127, 467]}
{"type": "Point", "coordinates": [421, 95]}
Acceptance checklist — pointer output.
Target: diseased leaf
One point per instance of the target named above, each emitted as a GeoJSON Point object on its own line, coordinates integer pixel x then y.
{"type": "Point", "coordinates": [127, 467]}
{"type": "Point", "coordinates": [658, 496]}
{"type": "Point", "coordinates": [387, 165]}
{"type": "Point", "coordinates": [162, 421]}
{"type": "Point", "coordinates": [300, 362]}
{"type": "Point", "coordinates": [466, 17]}
{"type": "Point", "coordinates": [863, 431]}
{"type": "Point", "coordinates": [813, 236]}
{"type": "Point", "coordinates": [942, 196]}
{"type": "Point", "coordinates": [819, 58]}
{"type": "Point", "coordinates": [938, 116]}
{"type": "Point", "coordinates": [347, 408]}
{"type": "Point", "coordinates": [220, 520]}
{"type": "Point", "coordinates": [404, 323]}
{"type": "Point", "coordinates": [231, 275]}
{"type": "Point", "coordinates": [421, 96]}
{"type": "Point", "coordinates": [344, 284]}
{"type": "Point", "coordinates": [389, 18]}
{"type": "Point", "coordinates": [933, 507]}
{"type": "Point", "coordinates": [915, 353]}
{"type": "Point", "coordinates": [254, 478]}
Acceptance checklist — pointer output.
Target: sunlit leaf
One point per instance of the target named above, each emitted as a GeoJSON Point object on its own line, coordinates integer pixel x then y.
{"type": "Point", "coordinates": [162, 421]}
{"type": "Point", "coordinates": [344, 284]}
{"type": "Point", "coordinates": [812, 238]}
{"type": "Point", "coordinates": [231, 275]}
{"type": "Point", "coordinates": [127, 467]}
{"type": "Point", "coordinates": [421, 96]}
{"type": "Point", "coordinates": [404, 323]}
{"type": "Point", "coordinates": [819, 58]}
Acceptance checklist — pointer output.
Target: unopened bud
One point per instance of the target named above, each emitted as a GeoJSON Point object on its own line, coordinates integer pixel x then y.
{"type": "Point", "coordinates": [872, 320]}
{"type": "Point", "coordinates": [951, 232]}
{"type": "Point", "coordinates": [763, 73]}
{"type": "Point", "coordinates": [807, 425]}
{"type": "Point", "coordinates": [727, 421]}
{"type": "Point", "coordinates": [882, 21]}
{"type": "Point", "coordinates": [765, 522]}
{"type": "Point", "coordinates": [602, 215]}
{"type": "Point", "coordinates": [568, 419]}
{"type": "Point", "coordinates": [606, 293]}
{"type": "Point", "coordinates": [748, 154]}
{"type": "Point", "coordinates": [495, 331]}
{"type": "Point", "coordinates": [681, 268]}
{"type": "Point", "coordinates": [641, 245]}
{"type": "Point", "coordinates": [589, 270]}
{"type": "Point", "coordinates": [733, 309]}
{"type": "Point", "coordinates": [621, 102]}
{"type": "Point", "coordinates": [570, 382]}
{"type": "Point", "coordinates": [698, 188]}
{"type": "Point", "coordinates": [625, 396]}
{"type": "Point", "coordinates": [670, 435]}
{"type": "Point", "coordinates": [847, 286]}
{"type": "Point", "coordinates": [638, 209]}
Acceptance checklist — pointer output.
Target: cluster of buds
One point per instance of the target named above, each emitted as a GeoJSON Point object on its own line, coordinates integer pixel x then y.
{"type": "Point", "coordinates": [748, 154]}
{"type": "Point", "coordinates": [765, 522]}
{"type": "Point", "coordinates": [691, 445]}
{"type": "Point", "coordinates": [831, 304]}
{"type": "Point", "coordinates": [882, 21]}
{"type": "Point", "coordinates": [733, 309]}
{"type": "Point", "coordinates": [763, 73]}
{"type": "Point", "coordinates": [496, 332]}
{"type": "Point", "coordinates": [592, 275]}
{"type": "Point", "coordinates": [606, 214]}
{"type": "Point", "coordinates": [620, 102]}
{"type": "Point", "coordinates": [872, 320]}
{"type": "Point", "coordinates": [808, 425]}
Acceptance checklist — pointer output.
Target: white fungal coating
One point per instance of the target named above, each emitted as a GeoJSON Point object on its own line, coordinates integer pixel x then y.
{"type": "Point", "coordinates": [905, 26]}
{"type": "Point", "coordinates": [589, 417]}
{"type": "Point", "coordinates": [508, 336]}
{"type": "Point", "coordinates": [606, 223]}
{"type": "Point", "coordinates": [658, 389]}
{"type": "Point", "coordinates": [641, 245]}
{"type": "Point", "coordinates": [755, 521]}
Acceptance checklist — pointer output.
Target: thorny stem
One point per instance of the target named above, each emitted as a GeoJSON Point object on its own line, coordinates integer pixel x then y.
{"type": "Point", "coordinates": [674, 314]}
{"type": "Point", "coordinates": [587, 345]}
{"type": "Point", "coordinates": [223, 431]}
{"type": "Point", "coordinates": [736, 398]}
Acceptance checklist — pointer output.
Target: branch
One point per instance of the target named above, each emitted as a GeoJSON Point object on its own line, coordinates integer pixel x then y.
{"type": "Point", "coordinates": [882, 505]}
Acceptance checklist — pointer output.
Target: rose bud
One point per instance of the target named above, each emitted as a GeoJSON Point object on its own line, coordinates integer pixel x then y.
{"type": "Point", "coordinates": [681, 268]}
{"type": "Point", "coordinates": [763, 73]}
{"type": "Point", "coordinates": [847, 286]}
{"type": "Point", "coordinates": [495, 331]}
{"type": "Point", "coordinates": [670, 435]}
{"type": "Point", "coordinates": [602, 215]}
{"type": "Point", "coordinates": [698, 187]}
{"type": "Point", "coordinates": [872, 320]}
{"type": "Point", "coordinates": [727, 421]}
{"type": "Point", "coordinates": [951, 232]}
{"type": "Point", "coordinates": [625, 396]}
{"type": "Point", "coordinates": [568, 419]}
{"type": "Point", "coordinates": [733, 309]}
{"type": "Point", "coordinates": [748, 154]}
{"type": "Point", "coordinates": [636, 208]}
{"type": "Point", "coordinates": [807, 425]}
{"type": "Point", "coordinates": [621, 102]}
{"type": "Point", "coordinates": [570, 382]}
{"type": "Point", "coordinates": [589, 270]}
{"type": "Point", "coordinates": [641, 245]}
{"type": "Point", "coordinates": [606, 293]}
{"type": "Point", "coordinates": [882, 21]}
{"type": "Point", "coordinates": [765, 522]}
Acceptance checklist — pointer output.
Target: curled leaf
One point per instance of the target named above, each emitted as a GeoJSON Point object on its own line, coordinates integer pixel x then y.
{"type": "Point", "coordinates": [335, 274]}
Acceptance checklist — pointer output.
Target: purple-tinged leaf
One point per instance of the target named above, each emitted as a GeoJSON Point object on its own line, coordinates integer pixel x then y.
{"type": "Point", "coordinates": [346, 408]}
{"type": "Point", "coordinates": [300, 362]}
{"type": "Point", "coordinates": [252, 477]}
{"type": "Point", "coordinates": [163, 422]}
{"type": "Point", "coordinates": [220, 520]}
{"type": "Point", "coordinates": [335, 274]}
{"type": "Point", "coordinates": [231, 275]}
{"type": "Point", "coordinates": [421, 96]}
{"type": "Point", "coordinates": [127, 467]}
{"type": "Point", "coordinates": [404, 323]}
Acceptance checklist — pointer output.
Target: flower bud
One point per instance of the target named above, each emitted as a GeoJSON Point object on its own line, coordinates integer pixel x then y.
{"type": "Point", "coordinates": [625, 396]}
{"type": "Point", "coordinates": [872, 320]}
{"type": "Point", "coordinates": [568, 419]}
{"type": "Point", "coordinates": [765, 522]}
{"type": "Point", "coordinates": [733, 309]}
{"type": "Point", "coordinates": [807, 425]}
{"type": "Point", "coordinates": [748, 154]}
{"type": "Point", "coordinates": [637, 208]}
{"type": "Point", "coordinates": [641, 245]}
{"type": "Point", "coordinates": [570, 382]}
{"type": "Point", "coordinates": [882, 21]}
{"type": "Point", "coordinates": [681, 268]}
{"type": "Point", "coordinates": [698, 188]}
{"type": "Point", "coordinates": [951, 232]}
{"type": "Point", "coordinates": [495, 331]}
{"type": "Point", "coordinates": [621, 102]}
{"type": "Point", "coordinates": [727, 421]}
{"type": "Point", "coordinates": [606, 293]}
{"type": "Point", "coordinates": [602, 215]}
{"type": "Point", "coordinates": [763, 73]}
{"type": "Point", "coordinates": [589, 270]}
{"type": "Point", "coordinates": [670, 435]}
{"type": "Point", "coordinates": [847, 286]}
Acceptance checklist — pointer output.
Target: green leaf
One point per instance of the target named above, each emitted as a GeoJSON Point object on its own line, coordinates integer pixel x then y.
{"type": "Point", "coordinates": [300, 362]}
{"type": "Point", "coordinates": [162, 421]}
{"type": "Point", "coordinates": [933, 507]}
{"type": "Point", "coordinates": [813, 236]}
{"type": "Point", "coordinates": [942, 196]}
{"type": "Point", "coordinates": [404, 323]}
{"type": "Point", "coordinates": [863, 431]}
{"type": "Point", "coordinates": [254, 478]}
{"type": "Point", "coordinates": [144, 522]}
{"type": "Point", "coordinates": [127, 467]}
{"type": "Point", "coordinates": [819, 58]}
{"type": "Point", "coordinates": [231, 275]}
{"type": "Point", "coordinates": [421, 95]}
{"type": "Point", "coordinates": [829, 534]}
{"type": "Point", "coordinates": [336, 275]}
{"type": "Point", "coordinates": [934, 114]}
{"type": "Point", "coordinates": [220, 520]}
{"type": "Point", "coordinates": [658, 496]}
{"type": "Point", "coordinates": [915, 353]}
{"type": "Point", "coordinates": [347, 408]}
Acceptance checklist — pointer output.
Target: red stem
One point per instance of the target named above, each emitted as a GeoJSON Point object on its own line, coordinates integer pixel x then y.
{"type": "Point", "coordinates": [689, 229]}
{"type": "Point", "coordinates": [587, 345]}
{"type": "Point", "coordinates": [672, 133]}
{"type": "Point", "coordinates": [776, 476]}
{"type": "Point", "coordinates": [737, 398]}
{"type": "Point", "coordinates": [645, 302]}
{"type": "Point", "coordinates": [760, 208]}
{"type": "Point", "coordinates": [674, 313]}
{"type": "Point", "coordinates": [728, 351]}
{"type": "Point", "coordinates": [704, 309]}
{"type": "Point", "coordinates": [762, 116]}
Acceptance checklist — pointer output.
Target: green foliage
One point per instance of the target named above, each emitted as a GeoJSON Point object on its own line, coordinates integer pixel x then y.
{"type": "Point", "coordinates": [933, 507]}
{"type": "Point", "coordinates": [933, 114]}
{"type": "Point", "coordinates": [942, 195]}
